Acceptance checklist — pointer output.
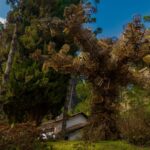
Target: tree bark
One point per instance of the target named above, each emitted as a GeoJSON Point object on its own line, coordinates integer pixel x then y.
{"type": "Point", "coordinates": [73, 101]}
{"type": "Point", "coordinates": [104, 114]}
{"type": "Point", "coordinates": [10, 56]}
{"type": "Point", "coordinates": [71, 94]}
{"type": "Point", "coordinates": [8, 68]}
{"type": "Point", "coordinates": [65, 112]}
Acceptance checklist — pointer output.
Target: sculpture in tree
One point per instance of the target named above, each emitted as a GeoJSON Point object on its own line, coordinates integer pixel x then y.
{"type": "Point", "coordinates": [106, 64]}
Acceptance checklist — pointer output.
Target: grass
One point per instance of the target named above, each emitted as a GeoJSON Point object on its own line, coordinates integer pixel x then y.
{"type": "Point", "coordinates": [103, 145]}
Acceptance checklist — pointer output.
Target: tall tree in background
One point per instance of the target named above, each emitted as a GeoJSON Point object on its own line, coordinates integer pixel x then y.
{"type": "Point", "coordinates": [31, 93]}
{"type": "Point", "coordinates": [13, 46]}
{"type": "Point", "coordinates": [106, 64]}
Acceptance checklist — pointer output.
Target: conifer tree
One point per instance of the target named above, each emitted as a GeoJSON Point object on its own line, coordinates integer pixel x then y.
{"type": "Point", "coordinates": [106, 64]}
{"type": "Point", "coordinates": [30, 94]}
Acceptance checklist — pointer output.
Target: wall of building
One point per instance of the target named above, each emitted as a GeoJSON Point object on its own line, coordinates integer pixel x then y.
{"type": "Point", "coordinates": [75, 135]}
{"type": "Point", "coordinates": [76, 120]}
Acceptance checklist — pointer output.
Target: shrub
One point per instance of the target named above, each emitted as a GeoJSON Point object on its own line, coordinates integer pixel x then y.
{"type": "Point", "coordinates": [135, 126]}
{"type": "Point", "coordinates": [20, 137]}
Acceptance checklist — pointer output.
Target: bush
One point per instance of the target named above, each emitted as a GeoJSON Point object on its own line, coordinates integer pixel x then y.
{"type": "Point", "coordinates": [135, 126]}
{"type": "Point", "coordinates": [20, 137]}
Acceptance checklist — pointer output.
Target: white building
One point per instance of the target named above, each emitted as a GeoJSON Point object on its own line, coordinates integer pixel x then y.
{"type": "Point", "coordinates": [74, 125]}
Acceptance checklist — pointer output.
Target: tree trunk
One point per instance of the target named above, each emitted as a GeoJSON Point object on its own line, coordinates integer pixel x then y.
{"type": "Point", "coordinates": [69, 103]}
{"type": "Point", "coordinates": [65, 112]}
{"type": "Point", "coordinates": [10, 57]}
{"type": "Point", "coordinates": [9, 63]}
{"type": "Point", "coordinates": [73, 101]}
{"type": "Point", "coordinates": [104, 114]}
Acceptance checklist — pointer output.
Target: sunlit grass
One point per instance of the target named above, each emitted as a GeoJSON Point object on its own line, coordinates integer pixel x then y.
{"type": "Point", "coordinates": [103, 145]}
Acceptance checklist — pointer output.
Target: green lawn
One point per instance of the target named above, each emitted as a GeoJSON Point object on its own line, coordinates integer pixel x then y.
{"type": "Point", "coordinates": [105, 145]}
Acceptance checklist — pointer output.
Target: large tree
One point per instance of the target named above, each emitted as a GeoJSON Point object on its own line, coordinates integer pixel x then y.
{"type": "Point", "coordinates": [108, 65]}
{"type": "Point", "coordinates": [29, 92]}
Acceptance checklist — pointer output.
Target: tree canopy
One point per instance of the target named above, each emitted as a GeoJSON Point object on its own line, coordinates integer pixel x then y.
{"type": "Point", "coordinates": [107, 64]}
{"type": "Point", "coordinates": [30, 93]}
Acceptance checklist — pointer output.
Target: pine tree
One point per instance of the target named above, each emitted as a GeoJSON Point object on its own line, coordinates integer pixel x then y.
{"type": "Point", "coordinates": [30, 93]}
{"type": "Point", "coordinates": [107, 65]}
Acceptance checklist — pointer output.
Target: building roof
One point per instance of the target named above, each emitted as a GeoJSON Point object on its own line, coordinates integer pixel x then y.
{"type": "Point", "coordinates": [52, 122]}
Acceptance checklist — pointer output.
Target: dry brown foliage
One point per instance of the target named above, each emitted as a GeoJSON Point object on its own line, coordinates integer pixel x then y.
{"type": "Point", "coordinates": [135, 126]}
{"type": "Point", "coordinates": [22, 136]}
{"type": "Point", "coordinates": [106, 64]}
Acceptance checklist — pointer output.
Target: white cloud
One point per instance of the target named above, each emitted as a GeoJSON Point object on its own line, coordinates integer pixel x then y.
{"type": "Point", "coordinates": [2, 20]}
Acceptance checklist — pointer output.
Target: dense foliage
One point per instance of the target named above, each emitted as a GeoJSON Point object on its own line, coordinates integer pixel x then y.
{"type": "Point", "coordinates": [135, 126]}
{"type": "Point", "coordinates": [30, 93]}
{"type": "Point", "coordinates": [107, 64]}
{"type": "Point", "coordinates": [20, 137]}
{"type": "Point", "coordinates": [110, 66]}
{"type": "Point", "coordinates": [84, 95]}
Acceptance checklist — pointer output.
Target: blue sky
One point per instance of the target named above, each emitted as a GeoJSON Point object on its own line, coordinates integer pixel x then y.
{"type": "Point", "coordinates": [111, 16]}
{"type": "Point", "coordinates": [3, 8]}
